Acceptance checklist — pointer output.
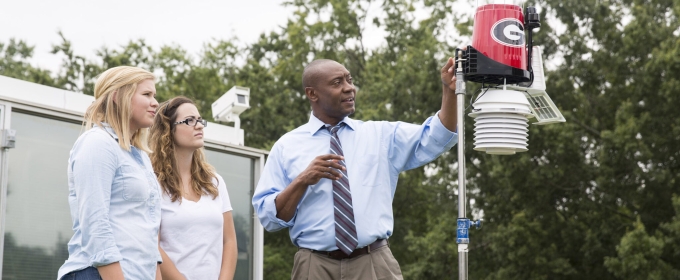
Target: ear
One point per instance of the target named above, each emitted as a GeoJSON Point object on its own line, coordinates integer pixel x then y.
{"type": "Point", "coordinates": [311, 94]}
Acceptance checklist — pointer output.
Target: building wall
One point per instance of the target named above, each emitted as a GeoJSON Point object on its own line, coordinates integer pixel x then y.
{"type": "Point", "coordinates": [35, 221]}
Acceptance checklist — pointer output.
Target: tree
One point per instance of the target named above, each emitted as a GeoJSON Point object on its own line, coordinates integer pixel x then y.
{"type": "Point", "coordinates": [14, 57]}
{"type": "Point", "coordinates": [584, 182]}
{"type": "Point", "coordinates": [591, 199]}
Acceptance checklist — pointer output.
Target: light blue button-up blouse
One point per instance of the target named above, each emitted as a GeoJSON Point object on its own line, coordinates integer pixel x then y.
{"type": "Point", "coordinates": [115, 206]}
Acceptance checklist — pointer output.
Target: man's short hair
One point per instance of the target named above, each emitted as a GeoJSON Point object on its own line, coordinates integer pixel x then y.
{"type": "Point", "coordinates": [311, 73]}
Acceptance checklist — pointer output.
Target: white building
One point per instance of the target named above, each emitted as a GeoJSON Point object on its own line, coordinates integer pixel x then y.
{"type": "Point", "coordinates": [35, 222]}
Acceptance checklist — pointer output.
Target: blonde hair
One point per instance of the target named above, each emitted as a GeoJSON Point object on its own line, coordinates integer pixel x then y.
{"type": "Point", "coordinates": [163, 155]}
{"type": "Point", "coordinates": [113, 93]}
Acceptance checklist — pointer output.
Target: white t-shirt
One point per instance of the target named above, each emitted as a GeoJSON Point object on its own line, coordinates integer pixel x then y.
{"type": "Point", "coordinates": [191, 233]}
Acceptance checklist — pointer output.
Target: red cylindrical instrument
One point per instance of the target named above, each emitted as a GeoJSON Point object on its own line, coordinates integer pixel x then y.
{"type": "Point", "coordinates": [499, 51]}
{"type": "Point", "coordinates": [499, 34]}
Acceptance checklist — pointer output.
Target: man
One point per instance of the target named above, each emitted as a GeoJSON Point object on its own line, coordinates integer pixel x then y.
{"type": "Point", "coordinates": [332, 180]}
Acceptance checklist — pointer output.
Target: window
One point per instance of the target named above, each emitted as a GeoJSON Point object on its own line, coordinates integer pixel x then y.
{"type": "Point", "coordinates": [38, 219]}
{"type": "Point", "coordinates": [237, 172]}
{"type": "Point", "coordinates": [241, 98]}
{"type": "Point", "coordinates": [38, 222]}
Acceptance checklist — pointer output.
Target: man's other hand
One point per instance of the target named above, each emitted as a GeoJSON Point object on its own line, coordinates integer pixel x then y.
{"type": "Point", "coordinates": [324, 166]}
{"type": "Point", "coordinates": [448, 73]}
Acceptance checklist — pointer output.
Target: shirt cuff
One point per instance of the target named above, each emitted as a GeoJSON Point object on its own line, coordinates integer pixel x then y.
{"type": "Point", "coordinates": [439, 132]}
{"type": "Point", "coordinates": [106, 257]}
{"type": "Point", "coordinates": [270, 205]}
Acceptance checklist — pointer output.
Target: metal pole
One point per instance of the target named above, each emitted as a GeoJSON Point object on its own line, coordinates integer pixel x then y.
{"type": "Point", "coordinates": [462, 234]}
{"type": "Point", "coordinates": [461, 152]}
{"type": "Point", "coordinates": [462, 240]}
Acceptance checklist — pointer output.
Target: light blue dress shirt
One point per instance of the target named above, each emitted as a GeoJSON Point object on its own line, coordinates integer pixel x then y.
{"type": "Point", "coordinates": [375, 153]}
{"type": "Point", "coordinates": [115, 206]}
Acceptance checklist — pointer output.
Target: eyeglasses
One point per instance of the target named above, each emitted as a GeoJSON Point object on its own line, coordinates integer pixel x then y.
{"type": "Point", "coordinates": [193, 122]}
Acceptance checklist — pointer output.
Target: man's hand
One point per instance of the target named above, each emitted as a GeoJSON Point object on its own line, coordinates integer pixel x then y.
{"type": "Point", "coordinates": [448, 73]}
{"type": "Point", "coordinates": [448, 114]}
{"type": "Point", "coordinates": [324, 166]}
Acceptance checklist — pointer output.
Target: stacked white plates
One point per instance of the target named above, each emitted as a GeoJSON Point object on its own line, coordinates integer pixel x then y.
{"type": "Point", "coordinates": [501, 124]}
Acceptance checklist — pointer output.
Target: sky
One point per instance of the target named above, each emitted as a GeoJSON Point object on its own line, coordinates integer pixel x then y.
{"type": "Point", "coordinates": [92, 24]}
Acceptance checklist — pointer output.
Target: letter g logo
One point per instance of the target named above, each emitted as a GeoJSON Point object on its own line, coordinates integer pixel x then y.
{"type": "Point", "coordinates": [508, 32]}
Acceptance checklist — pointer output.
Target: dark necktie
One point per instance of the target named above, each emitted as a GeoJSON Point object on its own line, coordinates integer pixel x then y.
{"type": "Point", "coordinates": [345, 229]}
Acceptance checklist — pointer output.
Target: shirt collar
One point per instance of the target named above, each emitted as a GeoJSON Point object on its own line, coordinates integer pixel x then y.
{"type": "Point", "coordinates": [107, 127]}
{"type": "Point", "coordinates": [315, 124]}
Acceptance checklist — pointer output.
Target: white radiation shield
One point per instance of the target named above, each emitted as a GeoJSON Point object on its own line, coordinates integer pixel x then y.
{"type": "Point", "coordinates": [501, 114]}
{"type": "Point", "coordinates": [501, 121]}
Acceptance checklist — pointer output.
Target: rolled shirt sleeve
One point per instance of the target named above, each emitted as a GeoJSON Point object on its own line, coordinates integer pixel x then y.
{"type": "Point", "coordinates": [442, 135]}
{"type": "Point", "coordinates": [94, 166]}
{"type": "Point", "coordinates": [271, 184]}
{"type": "Point", "coordinates": [415, 145]}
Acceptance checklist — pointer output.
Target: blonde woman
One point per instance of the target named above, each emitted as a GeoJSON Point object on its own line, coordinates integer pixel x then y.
{"type": "Point", "coordinates": [197, 236]}
{"type": "Point", "coordinates": [113, 194]}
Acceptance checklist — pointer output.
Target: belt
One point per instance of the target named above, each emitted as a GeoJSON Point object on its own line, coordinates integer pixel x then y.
{"type": "Point", "coordinates": [340, 255]}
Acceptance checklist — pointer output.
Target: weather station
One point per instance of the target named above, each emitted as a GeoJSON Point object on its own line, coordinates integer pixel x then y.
{"type": "Point", "coordinates": [503, 59]}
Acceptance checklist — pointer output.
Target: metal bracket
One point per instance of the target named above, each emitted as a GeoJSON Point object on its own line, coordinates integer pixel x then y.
{"type": "Point", "coordinates": [464, 225]}
{"type": "Point", "coordinates": [8, 138]}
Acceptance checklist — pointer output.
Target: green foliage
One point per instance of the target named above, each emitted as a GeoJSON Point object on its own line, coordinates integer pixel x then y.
{"type": "Point", "coordinates": [644, 256]}
{"type": "Point", "coordinates": [279, 259]}
{"type": "Point", "coordinates": [13, 63]}
{"type": "Point", "coordinates": [591, 199]}
{"type": "Point", "coordinates": [639, 256]}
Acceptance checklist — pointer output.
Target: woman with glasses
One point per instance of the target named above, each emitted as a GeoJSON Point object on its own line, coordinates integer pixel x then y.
{"type": "Point", "coordinates": [113, 194]}
{"type": "Point", "coordinates": [197, 236]}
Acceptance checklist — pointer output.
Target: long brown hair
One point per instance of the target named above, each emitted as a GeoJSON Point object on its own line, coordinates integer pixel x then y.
{"type": "Point", "coordinates": [113, 92]}
{"type": "Point", "coordinates": [163, 155]}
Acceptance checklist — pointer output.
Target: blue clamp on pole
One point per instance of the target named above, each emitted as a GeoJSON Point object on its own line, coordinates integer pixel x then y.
{"type": "Point", "coordinates": [463, 229]}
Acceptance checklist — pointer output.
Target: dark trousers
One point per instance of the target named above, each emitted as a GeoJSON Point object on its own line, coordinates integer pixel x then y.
{"type": "Point", "coordinates": [89, 273]}
{"type": "Point", "coordinates": [376, 265]}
